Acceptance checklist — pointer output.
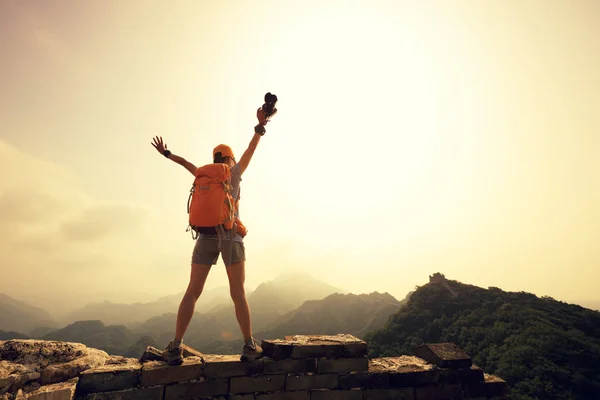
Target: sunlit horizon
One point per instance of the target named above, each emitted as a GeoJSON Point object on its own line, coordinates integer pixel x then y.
{"type": "Point", "coordinates": [411, 138]}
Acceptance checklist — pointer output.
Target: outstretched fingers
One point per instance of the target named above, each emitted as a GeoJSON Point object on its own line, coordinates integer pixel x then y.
{"type": "Point", "coordinates": [158, 144]}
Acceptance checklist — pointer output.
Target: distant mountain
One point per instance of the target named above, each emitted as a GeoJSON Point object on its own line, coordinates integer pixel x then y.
{"type": "Point", "coordinates": [591, 304]}
{"type": "Point", "coordinates": [137, 349]}
{"type": "Point", "coordinates": [203, 329]}
{"type": "Point", "coordinates": [126, 329]}
{"type": "Point", "coordinates": [336, 313]}
{"type": "Point", "coordinates": [41, 331]}
{"type": "Point", "coordinates": [298, 287]}
{"type": "Point", "coordinates": [544, 349]}
{"type": "Point", "coordinates": [12, 335]}
{"type": "Point", "coordinates": [16, 315]}
{"type": "Point", "coordinates": [114, 339]}
{"type": "Point", "coordinates": [209, 298]}
{"type": "Point", "coordinates": [270, 300]}
{"type": "Point", "coordinates": [273, 299]}
{"type": "Point", "coordinates": [131, 314]}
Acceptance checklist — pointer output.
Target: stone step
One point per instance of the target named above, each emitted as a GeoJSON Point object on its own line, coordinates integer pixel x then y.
{"type": "Point", "coordinates": [444, 355]}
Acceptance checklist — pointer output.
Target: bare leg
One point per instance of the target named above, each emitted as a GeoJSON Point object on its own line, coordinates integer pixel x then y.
{"type": "Point", "coordinates": [237, 276]}
{"type": "Point", "coordinates": [194, 290]}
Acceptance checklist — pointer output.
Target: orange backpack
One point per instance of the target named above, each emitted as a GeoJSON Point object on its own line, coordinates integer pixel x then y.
{"type": "Point", "coordinates": [211, 203]}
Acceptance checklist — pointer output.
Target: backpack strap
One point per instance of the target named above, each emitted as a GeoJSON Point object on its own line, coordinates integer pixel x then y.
{"type": "Point", "coordinates": [189, 227]}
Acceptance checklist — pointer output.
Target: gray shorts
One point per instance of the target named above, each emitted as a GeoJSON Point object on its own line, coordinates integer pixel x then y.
{"type": "Point", "coordinates": [206, 252]}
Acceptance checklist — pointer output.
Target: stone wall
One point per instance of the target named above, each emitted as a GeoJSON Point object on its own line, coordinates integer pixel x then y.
{"type": "Point", "coordinates": [298, 368]}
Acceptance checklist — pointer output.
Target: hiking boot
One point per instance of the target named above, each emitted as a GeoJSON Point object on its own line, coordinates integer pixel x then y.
{"type": "Point", "coordinates": [173, 355]}
{"type": "Point", "coordinates": [252, 351]}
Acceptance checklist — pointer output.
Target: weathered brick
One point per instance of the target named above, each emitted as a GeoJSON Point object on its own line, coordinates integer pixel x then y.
{"type": "Point", "coordinates": [260, 383]}
{"type": "Point", "coordinates": [318, 349]}
{"type": "Point", "coordinates": [405, 371]}
{"type": "Point", "coordinates": [144, 393]}
{"type": "Point", "coordinates": [443, 355]}
{"type": "Point", "coordinates": [314, 346]}
{"type": "Point", "coordinates": [307, 382]}
{"type": "Point", "coordinates": [355, 349]}
{"type": "Point", "coordinates": [277, 349]}
{"type": "Point", "coordinates": [224, 366]}
{"type": "Point", "coordinates": [355, 394]}
{"type": "Point", "coordinates": [461, 375]}
{"type": "Point", "coordinates": [495, 386]}
{"type": "Point", "coordinates": [56, 391]}
{"type": "Point", "coordinates": [290, 366]}
{"type": "Point", "coordinates": [439, 392]}
{"type": "Point", "coordinates": [414, 378]}
{"type": "Point", "coordinates": [364, 380]}
{"type": "Point", "coordinates": [197, 389]}
{"type": "Point", "coordinates": [389, 394]}
{"type": "Point", "coordinates": [161, 373]}
{"type": "Point", "coordinates": [298, 395]}
{"type": "Point", "coordinates": [474, 390]}
{"type": "Point", "coordinates": [307, 346]}
{"type": "Point", "coordinates": [337, 365]}
{"type": "Point", "coordinates": [109, 377]}
{"type": "Point", "coordinates": [492, 386]}
{"type": "Point", "coordinates": [241, 397]}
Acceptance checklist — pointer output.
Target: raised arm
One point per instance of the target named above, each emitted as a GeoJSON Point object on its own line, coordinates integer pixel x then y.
{"type": "Point", "coordinates": [259, 130]}
{"type": "Point", "coordinates": [162, 149]}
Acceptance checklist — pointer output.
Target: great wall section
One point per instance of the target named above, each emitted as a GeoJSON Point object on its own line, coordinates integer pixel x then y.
{"type": "Point", "coordinates": [315, 367]}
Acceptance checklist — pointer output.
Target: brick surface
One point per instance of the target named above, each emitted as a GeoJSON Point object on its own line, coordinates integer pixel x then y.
{"type": "Point", "coordinates": [160, 373]}
{"type": "Point", "coordinates": [198, 389]}
{"type": "Point", "coordinates": [109, 377]}
{"type": "Point", "coordinates": [337, 365]}
{"type": "Point", "coordinates": [277, 349]}
{"type": "Point", "coordinates": [493, 386]}
{"type": "Point", "coordinates": [264, 383]}
{"type": "Point", "coordinates": [289, 366]}
{"type": "Point", "coordinates": [389, 394]}
{"type": "Point", "coordinates": [145, 393]}
{"type": "Point", "coordinates": [414, 378]}
{"type": "Point", "coordinates": [336, 395]}
{"type": "Point", "coordinates": [405, 371]}
{"type": "Point", "coordinates": [318, 349]}
{"type": "Point", "coordinates": [461, 375]}
{"type": "Point", "coordinates": [355, 350]}
{"type": "Point", "coordinates": [314, 346]}
{"type": "Point", "coordinates": [307, 382]}
{"type": "Point", "coordinates": [224, 366]}
{"type": "Point", "coordinates": [56, 391]}
{"type": "Point", "coordinates": [443, 355]}
{"type": "Point", "coordinates": [364, 380]}
{"type": "Point", "coordinates": [439, 392]}
{"type": "Point", "coordinates": [298, 395]}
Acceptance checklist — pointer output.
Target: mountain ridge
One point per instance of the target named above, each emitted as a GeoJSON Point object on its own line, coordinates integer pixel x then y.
{"type": "Point", "coordinates": [542, 347]}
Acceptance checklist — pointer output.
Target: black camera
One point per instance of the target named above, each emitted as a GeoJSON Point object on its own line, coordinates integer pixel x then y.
{"type": "Point", "coordinates": [269, 106]}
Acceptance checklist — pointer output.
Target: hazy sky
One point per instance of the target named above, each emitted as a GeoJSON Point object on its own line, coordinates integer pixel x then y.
{"type": "Point", "coordinates": [411, 138]}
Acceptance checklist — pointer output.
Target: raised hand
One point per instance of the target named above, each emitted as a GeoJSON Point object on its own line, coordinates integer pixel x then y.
{"type": "Point", "coordinates": [262, 116]}
{"type": "Point", "coordinates": [159, 145]}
